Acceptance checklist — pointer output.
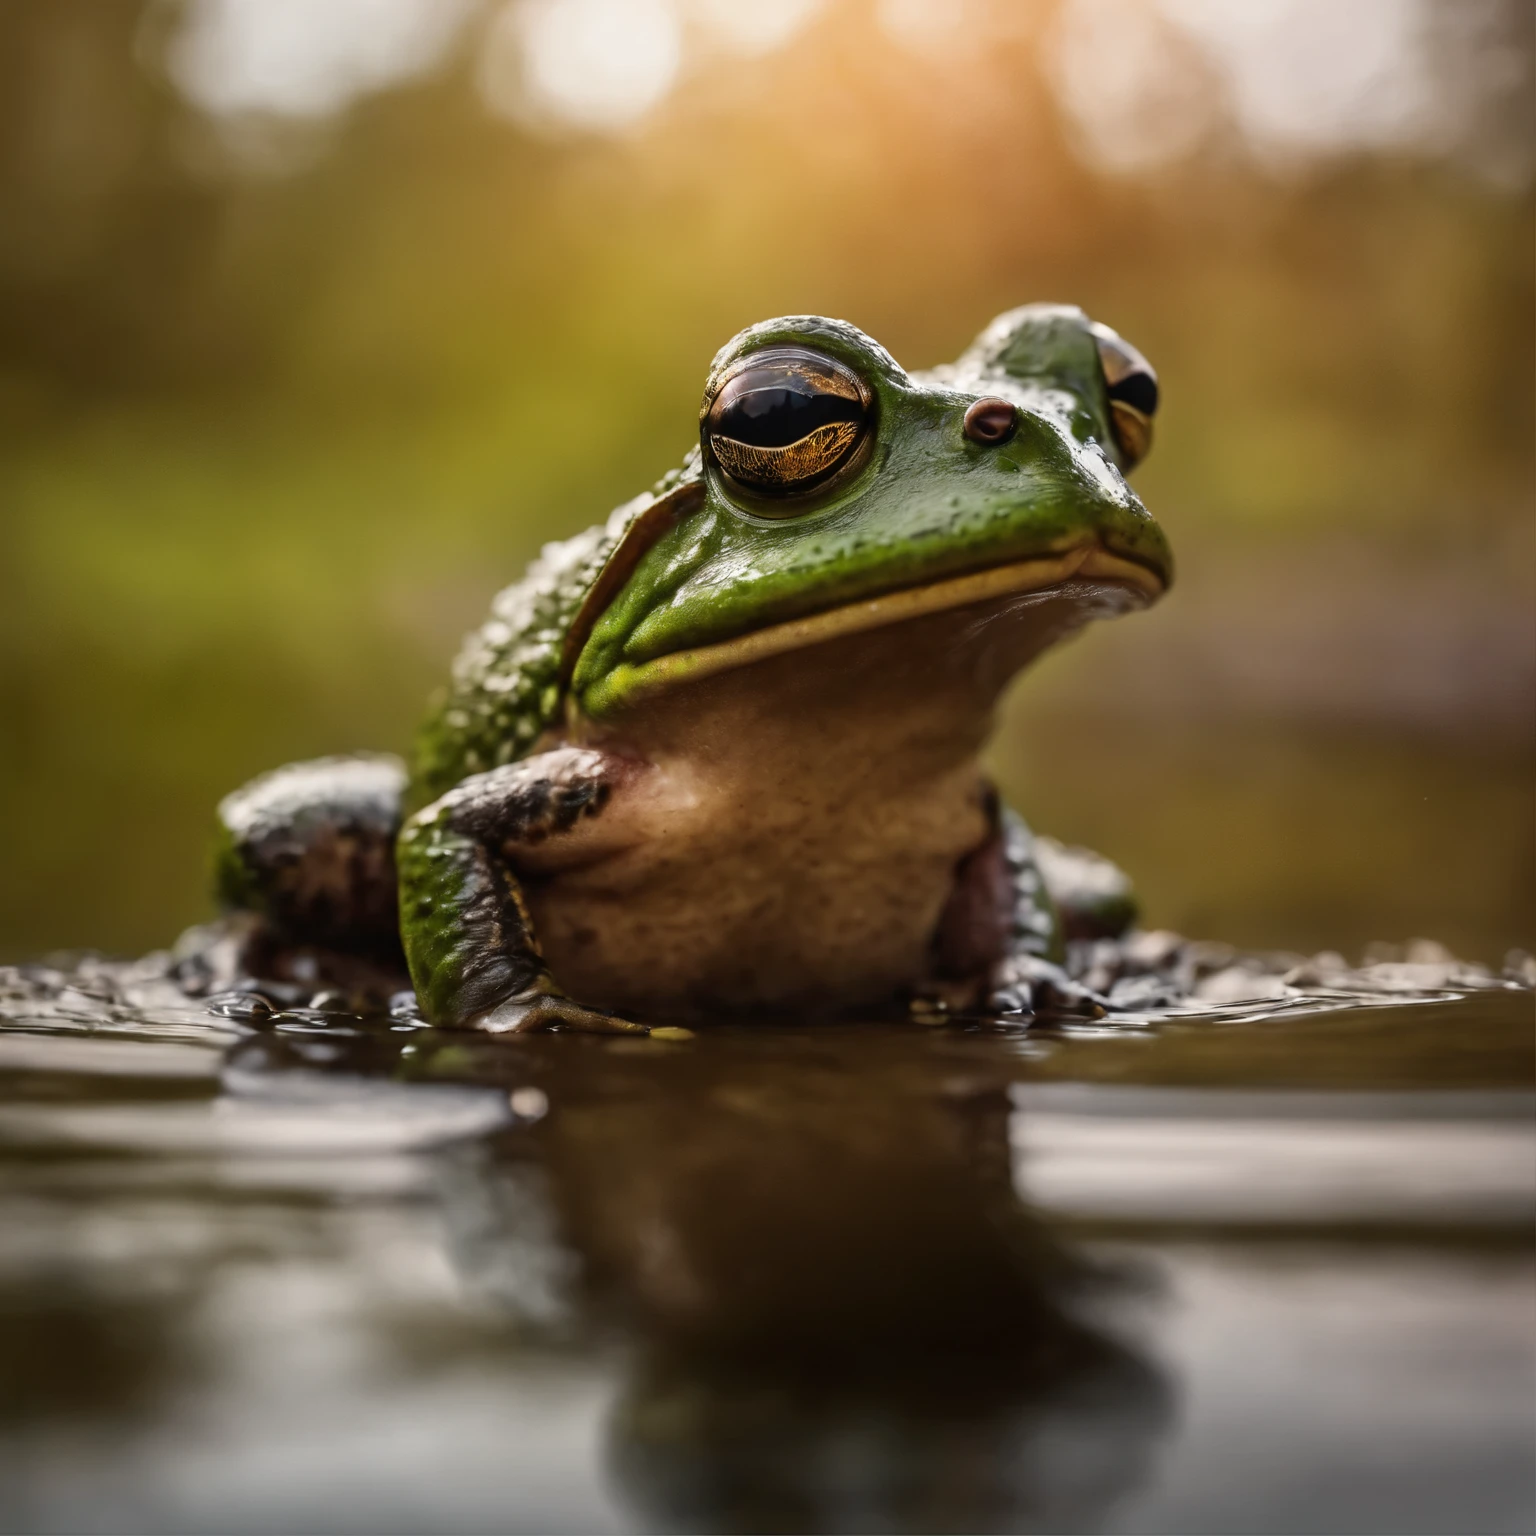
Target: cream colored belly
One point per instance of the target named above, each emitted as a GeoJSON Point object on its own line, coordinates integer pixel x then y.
{"type": "Point", "coordinates": [704, 895]}
{"type": "Point", "coordinates": [786, 835]}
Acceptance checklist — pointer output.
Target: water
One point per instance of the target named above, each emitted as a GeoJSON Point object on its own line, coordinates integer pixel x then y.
{"type": "Point", "coordinates": [1262, 1267]}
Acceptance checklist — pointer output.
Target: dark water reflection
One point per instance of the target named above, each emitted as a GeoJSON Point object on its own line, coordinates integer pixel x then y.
{"type": "Point", "coordinates": [342, 1274]}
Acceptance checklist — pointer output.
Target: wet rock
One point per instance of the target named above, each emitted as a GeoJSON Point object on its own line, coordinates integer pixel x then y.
{"type": "Point", "coordinates": [404, 1007]}
{"type": "Point", "coordinates": [248, 1007]}
{"type": "Point", "coordinates": [1154, 950]}
{"type": "Point", "coordinates": [1423, 976]}
{"type": "Point", "coordinates": [308, 1021]}
{"type": "Point", "coordinates": [1428, 952]}
{"type": "Point", "coordinates": [1135, 993]}
{"type": "Point", "coordinates": [1140, 978]}
{"type": "Point", "coordinates": [1241, 984]}
{"type": "Point", "coordinates": [1520, 968]}
{"type": "Point", "coordinates": [1327, 968]}
{"type": "Point", "coordinates": [1204, 957]}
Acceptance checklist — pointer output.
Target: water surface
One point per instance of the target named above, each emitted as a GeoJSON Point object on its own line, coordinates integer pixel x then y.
{"type": "Point", "coordinates": [1262, 1268]}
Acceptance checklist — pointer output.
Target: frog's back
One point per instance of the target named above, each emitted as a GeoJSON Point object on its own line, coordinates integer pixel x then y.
{"type": "Point", "coordinates": [505, 685]}
{"type": "Point", "coordinates": [507, 682]}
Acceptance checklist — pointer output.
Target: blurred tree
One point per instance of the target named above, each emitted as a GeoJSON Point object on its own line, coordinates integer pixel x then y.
{"type": "Point", "coordinates": [285, 394]}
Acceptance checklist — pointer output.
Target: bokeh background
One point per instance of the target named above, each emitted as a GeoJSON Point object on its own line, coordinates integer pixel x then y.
{"type": "Point", "coordinates": [317, 317]}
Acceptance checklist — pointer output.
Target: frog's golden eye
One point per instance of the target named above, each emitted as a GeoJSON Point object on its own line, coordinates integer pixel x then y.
{"type": "Point", "coordinates": [1131, 385]}
{"type": "Point", "coordinates": [786, 420]}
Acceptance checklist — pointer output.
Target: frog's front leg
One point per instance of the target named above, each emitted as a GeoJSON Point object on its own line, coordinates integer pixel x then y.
{"type": "Point", "coordinates": [1029, 980]}
{"type": "Point", "coordinates": [1057, 894]}
{"type": "Point", "coordinates": [472, 952]}
{"type": "Point", "coordinates": [1001, 939]}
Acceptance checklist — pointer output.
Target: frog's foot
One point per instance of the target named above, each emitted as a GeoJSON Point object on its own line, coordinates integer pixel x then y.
{"type": "Point", "coordinates": [1029, 987]}
{"type": "Point", "coordinates": [537, 1010]}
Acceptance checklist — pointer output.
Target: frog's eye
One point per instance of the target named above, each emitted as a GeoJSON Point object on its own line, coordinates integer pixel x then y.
{"type": "Point", "coordinates": [786, 420]}
{"type": "Point", "coordinates": [1131, 385]}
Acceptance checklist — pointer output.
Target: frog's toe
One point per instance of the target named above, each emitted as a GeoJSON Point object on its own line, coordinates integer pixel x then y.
{"type": "Point", "coordinates": [1029, 987]}
{"type": "Point", "coordinates": [530, 1013]}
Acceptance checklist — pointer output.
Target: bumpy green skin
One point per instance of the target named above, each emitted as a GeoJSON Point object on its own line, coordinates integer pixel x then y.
{"type": "Point", "coordinates": [310, 847]}
{"type": "Point", "coordinates": [505, 690]}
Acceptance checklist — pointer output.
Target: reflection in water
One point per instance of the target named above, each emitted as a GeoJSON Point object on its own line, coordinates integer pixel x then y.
{"type": "Point", "coordinates": [1043, 1441]}
{"type": "Point", "coordinates": [330, 1272]}
{"type": "Point", "coordinates": [843, 1319]}
{"type": "Point", "coordinates": [78, 1353]}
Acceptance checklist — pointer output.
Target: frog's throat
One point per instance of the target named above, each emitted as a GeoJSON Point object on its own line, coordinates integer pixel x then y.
{"type": "Point", "coordinates": [1118, 584]}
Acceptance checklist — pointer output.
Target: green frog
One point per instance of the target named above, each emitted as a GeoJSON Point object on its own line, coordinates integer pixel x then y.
{"type": "Point", "coordinates": [718, 756]}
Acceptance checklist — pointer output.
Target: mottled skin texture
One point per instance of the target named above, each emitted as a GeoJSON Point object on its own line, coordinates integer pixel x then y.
{"type": "Point", "coordinates": [719, 754]}
{"type": "Point", "coordinates": [311, 849]}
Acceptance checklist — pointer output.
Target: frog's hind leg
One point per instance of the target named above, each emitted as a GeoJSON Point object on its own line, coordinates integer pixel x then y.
{"type": "Point", "coordinates": [309, 851]}
{"type": "Point", "coordinates": [468, 938]}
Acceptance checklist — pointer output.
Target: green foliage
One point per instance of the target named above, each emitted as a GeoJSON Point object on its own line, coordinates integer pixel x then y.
{"type": "Point", "coordinates": [270, 442]}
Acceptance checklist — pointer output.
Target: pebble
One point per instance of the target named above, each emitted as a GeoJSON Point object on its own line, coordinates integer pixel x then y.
{"type": "Point", "coordinates": [248, 1006]}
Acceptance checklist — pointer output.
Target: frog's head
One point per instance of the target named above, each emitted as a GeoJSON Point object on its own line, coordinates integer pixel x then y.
{"type": "Point", "coordinates": [834, 493]}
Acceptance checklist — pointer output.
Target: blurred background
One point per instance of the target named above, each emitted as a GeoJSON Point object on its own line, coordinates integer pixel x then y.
{"type": "Point", "coordinates": [317, 317]}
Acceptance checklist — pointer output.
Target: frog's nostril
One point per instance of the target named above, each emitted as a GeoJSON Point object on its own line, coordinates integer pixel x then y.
{"type": "Point", "coordinates": [990, 421]}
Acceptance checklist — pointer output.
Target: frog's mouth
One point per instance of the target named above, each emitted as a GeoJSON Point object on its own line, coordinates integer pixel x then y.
{"type": "Point", "coordinates": [1094, 581]}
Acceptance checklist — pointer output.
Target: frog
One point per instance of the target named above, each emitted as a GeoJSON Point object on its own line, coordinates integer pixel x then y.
{"type": "Point", "coordinates": [719, 756]}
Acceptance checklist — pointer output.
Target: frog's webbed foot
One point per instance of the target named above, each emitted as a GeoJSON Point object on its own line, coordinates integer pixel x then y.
{"type": "Point", "coordinates": [1021, 989]}
{"type": "Point", "coordinates": [536, 1010]}
{"type": "Point", "coordinates": [1030, 987]}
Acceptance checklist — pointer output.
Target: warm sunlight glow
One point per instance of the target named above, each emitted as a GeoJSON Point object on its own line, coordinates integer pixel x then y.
{"type": "Point", "coordinates": [755, 26]}
{"type": "Point", "coordinates": [1143, 82]}
{"type": "Point", "coordinates": [598, 64]}
{"type": "Point", "coordinates": [298, 59]}
{"type": "Point", "coordinates": [923, 24]}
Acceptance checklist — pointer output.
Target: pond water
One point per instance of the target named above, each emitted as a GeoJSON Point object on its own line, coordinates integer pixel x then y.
{"type": "Point", "coordinates": [1261, 1266]}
